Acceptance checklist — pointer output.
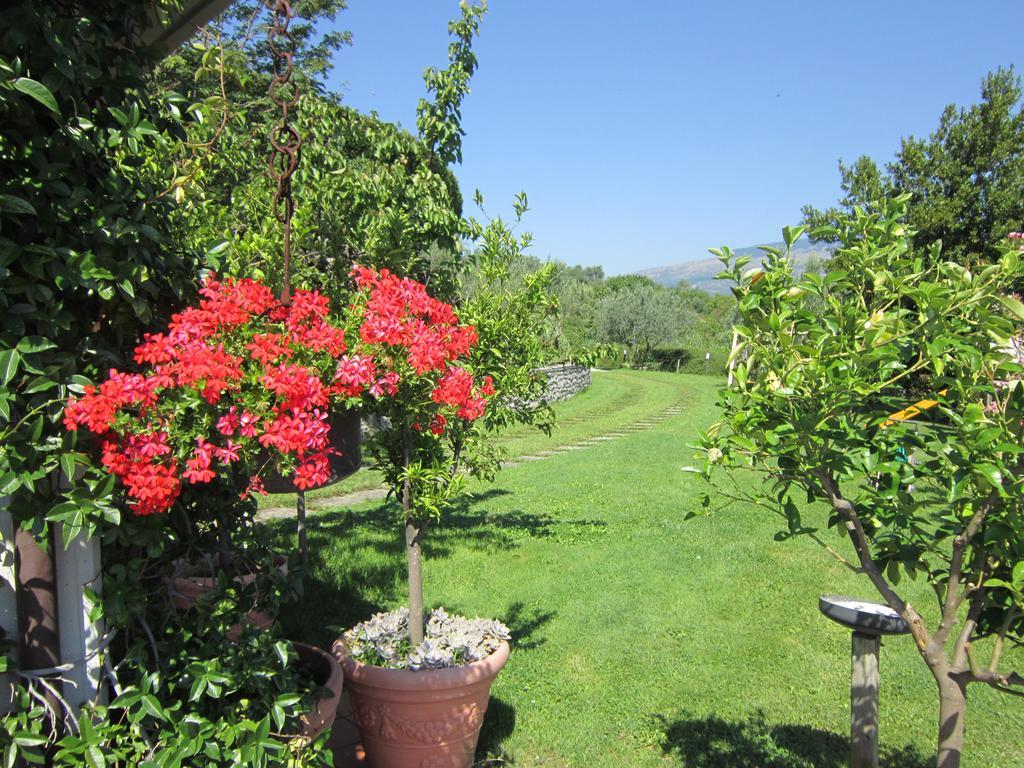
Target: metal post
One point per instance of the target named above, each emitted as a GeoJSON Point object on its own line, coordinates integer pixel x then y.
{"type": "Point", "coordinates": [869, 621]}
{"type": "Point", "coordinates": [78, 571]}
{"type": "Point", "coordinates": [864, 701]}
{"type": "Point", "coordinates": [8, 601]}
{"type": "Point", "coordinates": [300, 513]}
{"type": "Point", "coordinates": [39, 636]}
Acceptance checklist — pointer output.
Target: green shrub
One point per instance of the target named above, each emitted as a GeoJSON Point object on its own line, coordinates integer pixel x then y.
{"type": "Point", "coordinates": [684, 360]}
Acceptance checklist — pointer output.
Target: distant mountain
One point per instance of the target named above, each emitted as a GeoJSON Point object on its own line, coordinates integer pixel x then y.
{"type": "Point", "coordinates": [701, 273]}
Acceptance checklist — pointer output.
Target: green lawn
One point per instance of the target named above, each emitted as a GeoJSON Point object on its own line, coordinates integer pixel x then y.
{"type": "Point", "coordinates": [641, 639]}
{"type": "Point", "coordinates": [617, 401]}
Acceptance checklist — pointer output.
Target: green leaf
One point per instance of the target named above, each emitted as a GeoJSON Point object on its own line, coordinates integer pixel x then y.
{"type": "Point", "coordinates": [36, 90]}
{"type": "Point", "coordinates": [39, 384]}
{"type": "Point", "coordinates": [15, 204]}
{"type": "Point", "coordinates": [28, 739]}
{"type": "Point", "coordinates": [791, 234]}
{"type": "Point", "coordinates": [64, 512]}
{"type": "Point", "coordinates": [31, 344]}
{"type": "Point", "coordinates": [992, 583]}
{"type": "Point", "coordinates": [9, 483]}
{"type": "Point", "coordinates": [152, 706]}
{"type": "Point", "coordinates": [78, 384]}
{"type": "Point", "coordinates": [67, 464]}
{"type": "Point", "coordinates": [1013, 305]}
{"type": "Point", "coordinates": [95, 758]}
{"type": "Point", "coordinates": [9, 360]}
{"type": "Point", "coordinates": [126, 699]}
{"type": "Point", "coordinates": [282, 648]}
{"type": "Point", "coordinates": [991, 473]}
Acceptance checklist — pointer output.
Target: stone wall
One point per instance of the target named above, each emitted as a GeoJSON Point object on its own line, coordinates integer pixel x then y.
{"type": "Point", "coordinates": [565, 380]}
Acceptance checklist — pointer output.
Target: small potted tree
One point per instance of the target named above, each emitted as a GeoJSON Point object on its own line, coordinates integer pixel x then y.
{"type": "Point", "coordinates": [419, 684]}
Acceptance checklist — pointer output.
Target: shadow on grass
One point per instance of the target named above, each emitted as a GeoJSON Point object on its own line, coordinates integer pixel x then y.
{"type": "Point", "coordinates": [357, 563]}
{"type": "Point", "coordinates": [499, 722]}
{"type": "Point", "coordinates": [523, 623]}
{"type": "Point", "coordinates": [711, 742]}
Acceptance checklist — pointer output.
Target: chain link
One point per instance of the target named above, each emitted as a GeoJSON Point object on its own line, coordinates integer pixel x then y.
{"type": "Point", "coordinates": [285, 140]}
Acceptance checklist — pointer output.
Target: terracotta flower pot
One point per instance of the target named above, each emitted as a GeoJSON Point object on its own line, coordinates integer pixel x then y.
{"type": "Point", "coordinates": [345, 438]}
{"type": "Point", "coordinates": [327, 673]}
{"type": "Point", "coordinates": [426, 719]}
{"type": "Point", "coordinates": [188, 585]}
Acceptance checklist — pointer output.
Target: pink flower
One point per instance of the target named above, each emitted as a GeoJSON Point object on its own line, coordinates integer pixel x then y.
{"type": "Point", "coordinates": [228, 453]}
{"type": "Point", "coordinates": [229, 422]}
{"type": "Point", "coordinates": [255, 486]}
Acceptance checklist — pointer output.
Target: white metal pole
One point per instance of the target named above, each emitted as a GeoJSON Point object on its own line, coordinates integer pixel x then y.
{"type": "Point", "coordinates": [78, 573]}
{"type": "Point", "coordinates": [8, 596]}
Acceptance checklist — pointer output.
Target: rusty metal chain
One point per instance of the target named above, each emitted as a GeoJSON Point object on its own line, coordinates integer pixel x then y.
{"type": "Point", "coordinates": [285, 140]}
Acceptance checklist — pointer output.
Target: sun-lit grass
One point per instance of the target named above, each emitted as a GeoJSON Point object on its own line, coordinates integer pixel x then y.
{"type": "Point", "coordinates": [642, 639]}
{"type": "Point", "coordinates": [612, 404]}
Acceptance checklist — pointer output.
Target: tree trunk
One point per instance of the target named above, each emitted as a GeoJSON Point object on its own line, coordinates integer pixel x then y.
{"type": "Point", "coordinates": [413, 551]}
{"type": "Point", "coordinates": [414, 558]}
{"type": "Point", "coordinates": [952, 708]}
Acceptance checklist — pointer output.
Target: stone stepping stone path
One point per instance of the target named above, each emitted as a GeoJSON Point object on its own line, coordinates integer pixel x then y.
{"type": "Point", "coordinates": [378, 494]}
{"type": "Point", "coordinates": [343, 500]}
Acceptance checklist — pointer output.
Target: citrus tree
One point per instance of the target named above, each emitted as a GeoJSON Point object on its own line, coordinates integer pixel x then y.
{"type": "Point", "coordinates": [822, 365]}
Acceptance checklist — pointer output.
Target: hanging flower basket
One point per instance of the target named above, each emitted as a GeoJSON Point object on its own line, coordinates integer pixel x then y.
{"type": "Point", "coordinates": [240, 382]}
{"type": "Point", "coordinates": [344, 456]}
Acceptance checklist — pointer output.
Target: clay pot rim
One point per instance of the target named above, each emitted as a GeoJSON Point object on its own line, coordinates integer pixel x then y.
{"type": "Point", "coordinates": [335, 675]}
{"type": "Point", "coordinates": [314, 722]}
{"type": "Point", "coordinates": [418, 680]}
{"type": "Point", "coordinates": [199, 576]}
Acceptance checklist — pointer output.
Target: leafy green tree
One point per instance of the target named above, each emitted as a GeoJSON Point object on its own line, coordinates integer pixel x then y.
{"type": "Point", "coordinates": [579, 274]}
{"type": "Point", "coordinates": [706, 319]}
{"type": "Point", "coordinates": [366, 190]}
{"type": "Point", "coordinates": [822, 366]}
{"type": "Point", "coordinates": [964, 180]}
{"type": "Point", "coordinates": [85, 260]}
{"type": "Point", "coordinates": [88, 264]}
{"type": "Point", "coordinates": [243, 27]}
{"type": "Point", "coordinates": [576, 320]}
{"type": "Point", "coordinates": [440, 120]}
{"type": "Point", "coordinates": [627, 282]}
{"type": "Point", "coordinates": [639, 316]}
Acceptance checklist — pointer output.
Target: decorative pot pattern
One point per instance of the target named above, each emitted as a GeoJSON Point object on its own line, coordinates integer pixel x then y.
{"type": "Point", "coordinates": [377, 718]}
{"type": "Point", "coordinates": [425, 719]}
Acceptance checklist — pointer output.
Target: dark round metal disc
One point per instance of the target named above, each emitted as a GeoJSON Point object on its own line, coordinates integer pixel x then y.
{"type": "Point", "coordinates": [862, 615]}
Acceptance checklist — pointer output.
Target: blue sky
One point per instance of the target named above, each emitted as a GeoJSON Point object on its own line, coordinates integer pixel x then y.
{"type": "Point", "coordinates": [645, 133]}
